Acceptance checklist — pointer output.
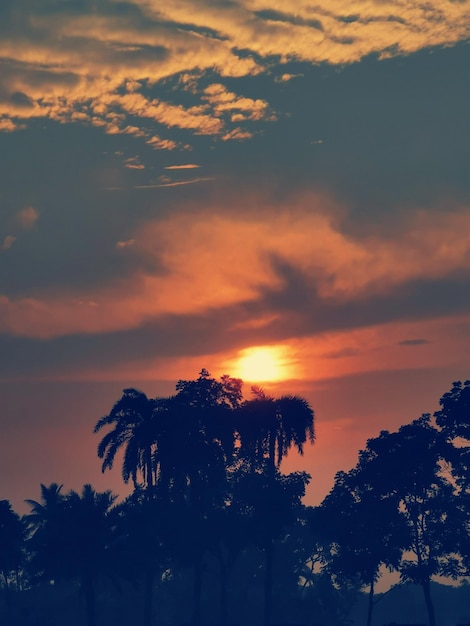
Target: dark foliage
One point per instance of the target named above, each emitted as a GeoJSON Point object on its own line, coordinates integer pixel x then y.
{"type": "Point", "coordinates": [214, 532]}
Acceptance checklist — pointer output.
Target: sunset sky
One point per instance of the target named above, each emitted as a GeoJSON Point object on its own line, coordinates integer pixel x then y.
{"type": "Point", "coordinates": [184, 181]}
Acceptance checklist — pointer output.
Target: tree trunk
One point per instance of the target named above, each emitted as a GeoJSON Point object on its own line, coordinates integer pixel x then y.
{"type": "Point", "coordinates": [7, 597]}
{"type": "Point", "coordinates": [197, 591]}
{"type": "Point", "coordinates": [371, 603]}
{"type": "Point", "coordinates": [149, 473]}
{"type": "Point", "coordinates": [272, 452]}
{"type": "Point", "coordinates": [90, 600]}
{"type": "Point", "coordinates": [148, 595]}
{"type": "Point", "coordinates": [268, 582]}
{"type": "Point", "coordinates": [223, 592]}
{"type": "Point", "coordinates": [426, 585]}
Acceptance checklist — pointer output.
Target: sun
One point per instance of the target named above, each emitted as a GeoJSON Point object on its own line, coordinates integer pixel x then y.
{"type": "Point", "coordinates": [262, 364]}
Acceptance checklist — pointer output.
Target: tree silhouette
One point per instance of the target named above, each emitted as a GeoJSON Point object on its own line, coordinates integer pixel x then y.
{"type": "Point", "coordinates": [198, 454]}
{"type": "Point", "coordinates": [364, 530]}
{"type": "Point", "coordinates": [182, 447]}
{"type": "Point", "coordinates": [207, 392]}
{"type": "Point", "coordinates": [135, 421]}
{"type": "Point", "coordinates": [141, 546]}
{"type": "Point", "coordinates": [271, 502]}
{"type": "Point", "coordinates": [12, 536]}
{"type": "Point", "coordinates": [229, 532]}
{"type": "Point", "coordinates": [454, 416]}
{"type": "Point", "coordinates": [407, 465]}
{"type": "Point", "coordinates": [70, 538]}
{"type": "Point", "coordinates": [45, 522]}
{"type": "Point", "coordinates": [268, 427]}
{"type": "Point", "coordinates": [454, 420]}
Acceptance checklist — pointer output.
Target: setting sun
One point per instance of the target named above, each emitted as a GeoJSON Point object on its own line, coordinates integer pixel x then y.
{"type": "Point", "coordinates": [262, 364]}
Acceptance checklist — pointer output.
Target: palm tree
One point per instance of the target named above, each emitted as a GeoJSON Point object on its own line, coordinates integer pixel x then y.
{"type": "Point", "coordinates": [142, 546]}
{"type": "Point", "coordinates": [47, 507]}
{"type": "Point", "coordinates": [45, 527]}
{"type": "Point", "coordinates": [268, 427]}
{"type": "Point", "coordinates": [181, 446]}
{"type": "Point", "coordinates": [88, 536]}
{"type": "Point", "coordinates": [135, 422]}
{"type": "Point", "coordinates": [12, 535]}
{"type": "Point", "coordinates": [197, 448]}
{"type": "Point", "coordinates": [70, 537]}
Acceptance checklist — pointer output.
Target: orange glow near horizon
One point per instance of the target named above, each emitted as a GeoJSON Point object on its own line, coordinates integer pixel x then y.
{"type": "Point", "coordinates": [259, 364]}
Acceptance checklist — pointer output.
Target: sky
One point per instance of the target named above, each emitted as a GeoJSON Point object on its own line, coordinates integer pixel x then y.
{"type": "Point", "coordinates": [184, 182]}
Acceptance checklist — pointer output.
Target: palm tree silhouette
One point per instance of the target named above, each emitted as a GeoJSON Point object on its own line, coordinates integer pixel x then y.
{"type": "Point", "coordinates": [70, 536]}
{"type": "Point", "coordinates": [45, 509]}
{"type": "Point", "coordinates": [141, 547]}
{"type": "Point", "coordinates": [135, 421]}
{"type": "Point", "coordinates": [88, 537]}
{"type": "Point", "coordinates": [45, 524]}
{"type": "Point", "coordinates": [182, 447]}
{"type": "Point", "coordinates": [198, 447]}
{"type": "Point", "coordinates": [12, 536]}
{"type": "Point", "coordinates": [268, 427]}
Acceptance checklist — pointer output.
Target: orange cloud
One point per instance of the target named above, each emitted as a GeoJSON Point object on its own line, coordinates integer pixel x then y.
{"type": "Point", "coordinates": [382, 347]}
{"type": "Point", "coordinates": [27, 217]}
{"type": "Point", "coordinates": [125, 244]}
{"type": "Point", "coordinates": [215, 259]}
{"type": "Point", "coordinates": [158, 143]}
{"type": "Point", "coordinates": [7, 242]}
{"type": "Point", "coordinates": [222, 100]}
{"type": "Point", "coordinates": [335, 31]}
{"type": "Point", "coordinates": [8, 126]}
{"type": "Point", "coordinates": [328, 356]}
{"type": "Point", "coordinates": [60, 60]}
{"type": "Point", "coordinates": [187, 166]}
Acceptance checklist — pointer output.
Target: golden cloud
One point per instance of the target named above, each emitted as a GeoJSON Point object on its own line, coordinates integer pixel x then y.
{"type": "Point", "coordinates": [59, 61]}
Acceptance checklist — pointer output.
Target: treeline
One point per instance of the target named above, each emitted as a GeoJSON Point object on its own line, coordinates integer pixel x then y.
{"type": "Point", "coordinates": [214, 532]}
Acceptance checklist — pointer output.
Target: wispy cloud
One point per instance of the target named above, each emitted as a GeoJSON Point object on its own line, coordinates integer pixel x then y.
{"type": "Point", "coordinates": [133, 163]}
{"type": "Point", "coordinates": [125, 244]}
{"type": "Point", "coordinates": [176, 183]}
{"type": "Point", "coordinates": [187, 166]}
{"type": "Point", "coordinates": [7, 242]}
{"type": "Point", "coordinates": [27, 218]}
{"type": "Point", "coordinates": [413, 342]}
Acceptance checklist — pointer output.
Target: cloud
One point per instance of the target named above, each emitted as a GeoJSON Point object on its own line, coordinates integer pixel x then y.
{"type": "Point", "coordinates": [187, 166]}
{"type": "Point", "coordinates": [133, 163]}
{"type": "Point", "coordinates": [167, 183]}
{"type": "Point", "coordinates": [93, 66]}
{"type": "Point", "coordinates": [8, 126]}
{"type": "Point", "coordinates": [222, 101]}
{"type": "Point", "coordinates": [27, 218]}
{"type": "Point", "coordinates": [297, 265]}
{"type": "Point", "coordinates": [187, 343]}
{"type": "Point", "coordinates": [125, 244]}
{"type": "Point", "coordinates": [413, 342]}
{"type": "Point", "coordinates": [7, 242]}
{"type": "Point", "coordinates": [237, 133]}
{"type": "Point", "coordinates": [158, 143]}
